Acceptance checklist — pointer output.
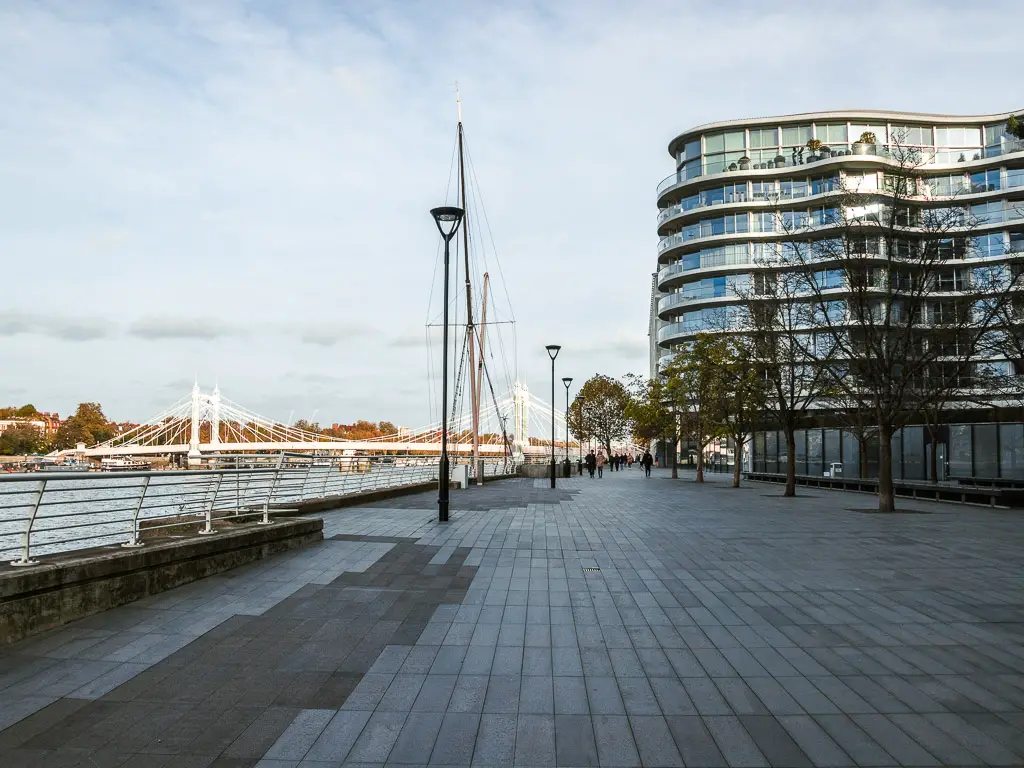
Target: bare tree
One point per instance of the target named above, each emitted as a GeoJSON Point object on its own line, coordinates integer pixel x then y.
{"type": "Point", "coordinates": [900, 297]}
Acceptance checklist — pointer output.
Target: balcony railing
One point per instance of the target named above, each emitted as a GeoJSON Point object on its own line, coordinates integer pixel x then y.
{"type": "Point", "coordinates": [929, 156]}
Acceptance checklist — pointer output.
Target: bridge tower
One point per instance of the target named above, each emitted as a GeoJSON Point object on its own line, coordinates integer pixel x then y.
{"type": "Point", "coordinates": [521, 403]}
{"type": "Point", "coordinates": [194, 456]}
{"type": "Point", "coordinates": [215, 416]}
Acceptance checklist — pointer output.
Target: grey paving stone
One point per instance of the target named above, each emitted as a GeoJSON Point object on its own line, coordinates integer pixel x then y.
{"type": "Point", "coordinates": [496, 740]}
{"type": "Point", "coordinates": [537, 661]}
{"type": "Point", "coordinates": [469, 694]}
{"type": "Point", "coordinates": [535, 740]}
{"type": "Point", "coordinates": [378, 737]}
{"type": "Point", "coordinates": [603, 695]}
{"type": "Point", "coordinates": [456, 739]}
{"type": "Point", "coordinates": [570, 696]}
{"type": "Point", "coordinates": [478, 660]}
{"type": "Point", "coordinates": [300, 735]}
{"type": "Point", "coordinates": [536, 695]}
{"type": "Point", "coordinates": [694, 742]}
{"type": "Point", "coordinates": [615, 744]}
{"type": "Point", "coordinates": [502, 694]}
{"type": "Point", "coordinates": [734, 742]}
{"type": "Point", "coordinates": [508, 660]}
{"type": "Point", "coordinates": [654, 741]}
{"type": "Point", "coordinates": [336, 740]}
{"type": "Point", "coordinates": [814, 741]}
{"type": "Point", "coordinates": [861, 748]}
{"type": "Point", "coordinates": [435, 693]}
{"type": "Point", "coordinates": [574, 741]}
{"type": "Point", "coordinates": [417, 737]}
{"type": "Point", "coordinates": [895, 741]}
{"type": "Point", "coordinates": [566, 661]}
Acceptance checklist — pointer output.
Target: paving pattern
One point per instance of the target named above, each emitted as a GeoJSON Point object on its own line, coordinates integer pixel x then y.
{"type": "Point", "coordinates": [612, 622]}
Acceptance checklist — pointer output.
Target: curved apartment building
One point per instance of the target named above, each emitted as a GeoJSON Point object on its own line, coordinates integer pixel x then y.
{"type": "Point", "coordinates": [735, 179]}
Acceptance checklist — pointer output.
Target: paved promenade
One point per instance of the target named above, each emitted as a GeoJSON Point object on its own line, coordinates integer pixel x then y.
{"type": "Point", "coordinates": [614, 622]}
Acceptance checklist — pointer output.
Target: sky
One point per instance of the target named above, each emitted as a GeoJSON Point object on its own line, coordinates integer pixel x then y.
{"type": "Point", "coordinates": [239, 191]}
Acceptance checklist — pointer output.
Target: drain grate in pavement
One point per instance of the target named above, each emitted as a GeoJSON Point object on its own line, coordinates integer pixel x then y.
{"type": "Point", "coordinates": [591, 570]}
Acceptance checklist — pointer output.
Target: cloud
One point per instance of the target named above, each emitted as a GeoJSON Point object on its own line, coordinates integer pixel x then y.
{"type": "Point", "coordinates": [56, 327]}
{"type": "Point", "coordinates": [168, 327]}
{"type": "Point", "coordinates": [330, 336]}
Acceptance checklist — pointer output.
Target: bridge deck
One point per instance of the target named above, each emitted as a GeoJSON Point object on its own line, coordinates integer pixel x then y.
{"type": "Point", "coordinates": [616, 622]}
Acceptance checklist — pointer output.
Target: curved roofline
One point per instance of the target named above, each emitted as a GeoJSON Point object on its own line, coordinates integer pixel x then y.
{"type": "Point", "coordinates": [800, 117]}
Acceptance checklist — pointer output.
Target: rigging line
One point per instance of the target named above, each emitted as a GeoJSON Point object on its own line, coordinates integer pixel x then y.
{"type": "Point", "coordinates": [501, 417]}
{"type": "Point", "coordinates": [490, 234]}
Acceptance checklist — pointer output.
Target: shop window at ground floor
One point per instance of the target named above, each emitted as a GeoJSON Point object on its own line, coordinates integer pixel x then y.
{"type": "Point", "coordinates": [815, 452]}
{"type": "Point", "coordinates": [986, 450]}
{"type": "Point", "coordinates": [1011, 451]}
{"type": "Point", "coordinates": [801, 452]}
{"type": "Point", "coordinates": [960, 459]}
{"type": "Point", "coordinates": [913, 453]}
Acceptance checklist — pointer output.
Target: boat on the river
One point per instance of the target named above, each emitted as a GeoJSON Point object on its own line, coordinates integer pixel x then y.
{"type": "Point", "coordinates": [123, 464]}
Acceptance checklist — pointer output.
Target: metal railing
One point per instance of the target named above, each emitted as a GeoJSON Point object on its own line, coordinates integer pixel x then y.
{"type": "Point", "coordinates": [49, 513]}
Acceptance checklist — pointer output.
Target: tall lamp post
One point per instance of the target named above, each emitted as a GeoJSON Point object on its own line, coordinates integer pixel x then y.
{"type": "Point", "coordinates": [553, 353]}
{"type": "Point", "coordinates": [567, 380]}
{"type": "Point", "coordinates": [447, 219]}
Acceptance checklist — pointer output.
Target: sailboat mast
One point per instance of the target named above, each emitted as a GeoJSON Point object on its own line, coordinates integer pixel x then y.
{"type": "Point", "coordinates": [470, 330]}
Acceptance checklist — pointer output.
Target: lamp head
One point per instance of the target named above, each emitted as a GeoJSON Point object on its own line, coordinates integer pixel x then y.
{"type": "Point", "coordinates": [553, 350]}
{"type": "Point", "coordinates": [567, 380]}
{"type": "Point", "coordinates": [447, 218]}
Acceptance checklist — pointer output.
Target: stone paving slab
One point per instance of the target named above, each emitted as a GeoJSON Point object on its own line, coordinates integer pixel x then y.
{"type": "Point", "coordinates": [621, 621]}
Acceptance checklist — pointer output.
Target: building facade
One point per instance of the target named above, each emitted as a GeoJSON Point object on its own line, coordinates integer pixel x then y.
{"type": "Point", "coordinates": [737, 183]}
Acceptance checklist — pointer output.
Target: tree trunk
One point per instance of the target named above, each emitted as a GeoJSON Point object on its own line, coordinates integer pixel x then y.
{"type": "Point", "coordinates": [675, 450]}
{"type": "Point", "coordinates": [886, 493]}
{"type": "Point", "coordinates": [790, 461]}
{"type": "Point", "coordinates": [737, 458]}
{"type": "Point", "coordinates": [933, 462]}
{"type": "Point", "coordinates": [700, 465]}
{"type": "Point", "coordinates": [862, 443]}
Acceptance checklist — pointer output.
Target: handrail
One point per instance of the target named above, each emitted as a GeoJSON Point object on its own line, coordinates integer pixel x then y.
{"type": "Point", "coordinates": [74, 510]}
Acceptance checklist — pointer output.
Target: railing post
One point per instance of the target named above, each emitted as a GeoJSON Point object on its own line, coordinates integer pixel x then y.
{"type": "Point", "coordinates": [270, 492]}
{"type": "Point", "coordinates": [134, 540]}
{"type": "Point", "coordinates": [26, 549]}
{"type": "Point", "coordinates": [209, 507]}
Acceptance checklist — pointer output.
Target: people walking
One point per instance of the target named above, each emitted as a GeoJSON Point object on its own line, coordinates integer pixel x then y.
{"type": "Point", "coordinates": [591, 464]}
{"type": "Point", "coordinates": [647, 461]}
{"type": "Point", "coordinates": [600, 463]}
{"type": "Point", "coordinates": [629, 461]}
{"type": "Point", "coordinates": [579, 466]}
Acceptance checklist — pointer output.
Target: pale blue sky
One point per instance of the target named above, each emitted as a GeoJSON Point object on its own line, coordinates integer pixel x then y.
{"type": "Point", "coordinates": [240, 190]}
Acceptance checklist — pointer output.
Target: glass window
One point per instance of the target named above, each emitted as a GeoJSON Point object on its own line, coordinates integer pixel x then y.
{"type": "Point", "coordinates": [764, 138]}
{"type": "Point", "coordinates": [988, 245]}
{"type": "Point", "coordinates": [911, 135]}
{"type": "Point", "coordinates": [764, 190]}
{"type": "Point", "coordinates": [815, 452]}
{"type": "Point", "coordinates": [734, 140]}
{"type": "Point", "coordinates": [986, 454]}
{"type": "Point", "coordinates": [824, 184]}
{"type": "Point", "coordinates": [792, 188]}
{"type": "Point", "coordinates": [1011, 451]}
{"type": "Point", "coordinates": [692, 169]}
{"type": "Point", "coordinates": [796, 136]}
{"type": "Point", "coordinates": [833, 134]}
{"type": "Point", "coordinates": [985, 181]}
{"type": "Point", "coordinates": [714, 142]}
{"type": "Point", "coordinates": [913, 453]}
{"type": "Point", "coordinates": [692, 149]}
{"type": "Point", "coordinates": [960, 464]}
{"type": "Point", "coordinates": [958, 137]}
{"type": "Point", "coordinates": [851, 455]}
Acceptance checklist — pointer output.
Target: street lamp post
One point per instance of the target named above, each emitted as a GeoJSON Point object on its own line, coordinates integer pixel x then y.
{"type": "Point", "coordinates": [553, 353]}
{"type": "Point", "coordinates": [567, 380]}
{"type": "Point", "coordinates": [447, 219]}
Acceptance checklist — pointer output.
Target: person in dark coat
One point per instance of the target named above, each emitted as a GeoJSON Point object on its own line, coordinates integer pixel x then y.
{"type": "Point", "coordinates": [647, 461]}
{"type": "Point", "coordinates": [591, 463]}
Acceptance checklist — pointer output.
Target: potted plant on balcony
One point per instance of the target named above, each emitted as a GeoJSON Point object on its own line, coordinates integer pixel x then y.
{"type": "Point", "coordinates": [814, 149]}
{"type": "Point", "coordinates": [865, 145]}
{"type": "Point", "coordinates": [780, 161]}
{"type": "Point", "coordinates": [744, 163]}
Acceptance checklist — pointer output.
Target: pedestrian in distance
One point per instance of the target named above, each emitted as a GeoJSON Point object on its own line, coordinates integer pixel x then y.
{"type": "Point", "coordinates": [600, 464]}
{"type": "Point", "coordinates": [591, 464]}
{"type": "Point", "coordinates": [579, 466]}
{"type": "Point", "coordinates": [647, 461]}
